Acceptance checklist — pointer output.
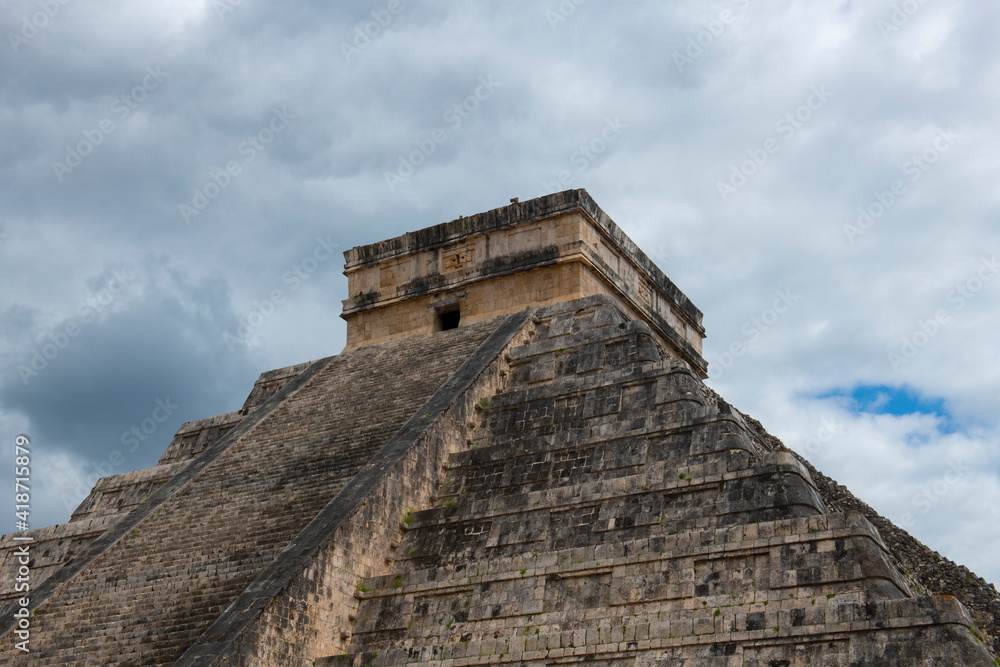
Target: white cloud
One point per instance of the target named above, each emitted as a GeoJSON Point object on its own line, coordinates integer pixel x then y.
{"type": "Point", "coordinates": [783, 229]}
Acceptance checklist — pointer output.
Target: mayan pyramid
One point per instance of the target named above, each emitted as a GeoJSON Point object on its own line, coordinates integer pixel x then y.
{"type": "Point", "coordinates": [514, 461]}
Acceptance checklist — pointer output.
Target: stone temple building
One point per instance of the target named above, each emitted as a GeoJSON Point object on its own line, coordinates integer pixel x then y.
{"type": "Point", "coordinates": [514, 461]}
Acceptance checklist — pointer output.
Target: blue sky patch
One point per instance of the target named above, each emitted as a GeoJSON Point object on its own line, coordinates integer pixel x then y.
{"type": "Point", "coordinates": [880, 399]}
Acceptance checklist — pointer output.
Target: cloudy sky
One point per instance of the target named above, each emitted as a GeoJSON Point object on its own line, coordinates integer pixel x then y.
{"type": "Point", "coordinates": [166, 167]}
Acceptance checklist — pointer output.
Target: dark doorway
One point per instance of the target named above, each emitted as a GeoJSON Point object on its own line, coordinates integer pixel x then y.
{"type": "Point", "coordinates": [449, 319]}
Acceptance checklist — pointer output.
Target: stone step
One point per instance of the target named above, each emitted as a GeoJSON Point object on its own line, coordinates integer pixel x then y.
{"type": "Point", "coordinates": [812, 537]}
{"type": "Point", "coordinates": [728, 472]}
{"type": "Point", "coordinates": [209, 540]}
{"type": "Point", "coordinates": [819, 631]}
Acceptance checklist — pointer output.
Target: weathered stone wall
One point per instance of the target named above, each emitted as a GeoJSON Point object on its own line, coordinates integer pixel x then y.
{"type": "Point", "coordinates": [150, 592]}
{"type": "Point", "coordinates": [607, 513]}
{"type": "Point", "coordinates": [537, 490]}
{"type": "Point", "coordinates": [50, 548]}
{"type": "Point", "coordinates": [927, 571]}
{"type": "Point", "coordinates": [194, 437]}
{"type": "Point", "coordinates": [506, 259]}
{"type": "Point", "coordinates": [270, 383]}
{"type": "Point", "coordinates": [114, 496]}
{"type": "Point", "coordinates": [930, 572]}
{"type": "Point", "coordinates": [318, 575]}
{"type": "Point", "coordinates": [479, 301]}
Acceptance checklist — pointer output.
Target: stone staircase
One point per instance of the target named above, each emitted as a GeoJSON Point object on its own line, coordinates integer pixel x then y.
{"type": "Point", "coordinates": [115, 495]}
{"type": "Point", "coordinates": [150, 594]}
{"type": "Point", "coordinates": [606, 513]}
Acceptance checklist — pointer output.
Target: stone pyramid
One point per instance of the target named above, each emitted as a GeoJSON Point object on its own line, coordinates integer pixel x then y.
{"type": "Point", "coordinates": [513, 461]}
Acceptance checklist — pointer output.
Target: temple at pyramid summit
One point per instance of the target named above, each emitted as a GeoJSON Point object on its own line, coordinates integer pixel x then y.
{"type": "Point", "coordinates": [513, 461]}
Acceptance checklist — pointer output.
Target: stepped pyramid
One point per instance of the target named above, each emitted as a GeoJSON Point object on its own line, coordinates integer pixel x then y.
{"type": "Point", "coordinates": [513, 461]}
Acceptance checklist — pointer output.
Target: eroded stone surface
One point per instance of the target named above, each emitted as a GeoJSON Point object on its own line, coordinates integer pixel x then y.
{"type": "Point", "coordinates": [151, 594]}
{"type": "Point", "coordinates": [554, 485]}
{"type": "Point", "coordinates": [547, 250]}
{"type": "Point", "coordinates": [607, 513]}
